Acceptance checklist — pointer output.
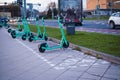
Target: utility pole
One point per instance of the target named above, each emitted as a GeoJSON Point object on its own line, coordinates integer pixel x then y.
{"type": "Point", "coordinates": [5, 3]}
{"type": "Point", "coordinates": [24, 8]}
{"type": "Point", "coordinates": [81, 5]}
{"type": "Point", "coordinates": [52, 5]}
{"type": "Point", "coordinates": [98, 9]}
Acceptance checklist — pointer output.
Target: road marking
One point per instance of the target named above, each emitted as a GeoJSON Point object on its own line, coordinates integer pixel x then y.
{"type": "Point", "coordinates": [59, 68]}
{"type": "Point", "coordinates": [84, 65]}
{"type": "Point", "coordinates": [41, 57]}
{"type": "Point", "coordinates": [68, 63]}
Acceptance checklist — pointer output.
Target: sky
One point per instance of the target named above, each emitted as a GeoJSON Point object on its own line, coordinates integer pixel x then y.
{"type": "Point", "coordinates": [43, 3]}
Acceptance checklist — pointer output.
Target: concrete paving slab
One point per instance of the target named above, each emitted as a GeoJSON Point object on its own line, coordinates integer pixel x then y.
{"type": "Point", "coordinates": [69, 74]}
{"type": "Point", "coordinates": [101, 64]}
{"type": "Point", "coordinates": [113, 74]}
{"type": "Point", "coordinates": [89, 77]}
{"type": "Point", "coordinates": [96, 71]}
{"type": "Point", "coordinates": [107, 79]}
{"type": "Point", "coordinates": [50, 74]}
{"type": "Point", "coordinates": [32, 73]}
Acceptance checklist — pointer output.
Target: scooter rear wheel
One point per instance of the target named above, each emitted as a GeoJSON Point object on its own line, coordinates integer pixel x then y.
{"type": "Point", "coordinates": [20, 29]}
{"type": "Point", "coordinates": [31, 38]}
{"type": "Point", "coordinates": [7, 26]}
{"type": "Point", "coordinates": [9, 30]}
{"type": "Point", "coordinates": [40, 47]}
{"type": "Point", "coordinates": [30, 34]}
{"type": "Point", "coordinates": [40, 36]}
{"type": "Point", "coordinates": [13, 34]}
{"type": "Point", "coordinates": [65, 45]}
{"type": "Point", "coordinates": [24, 37]}
{"type": "Point", "coordinates": [0, 26]}
{"type": "Point", "coordinates": [45, 38]}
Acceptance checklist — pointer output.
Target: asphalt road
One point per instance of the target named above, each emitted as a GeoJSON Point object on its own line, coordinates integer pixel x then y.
{"type": "Point", "coordinates": [97, 24]}
{"type": "Point", "coordinates": [21, 60]}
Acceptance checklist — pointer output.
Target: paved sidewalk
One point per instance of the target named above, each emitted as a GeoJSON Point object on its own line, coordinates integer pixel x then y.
{"type": "Point", "coordinates": [21, 60]}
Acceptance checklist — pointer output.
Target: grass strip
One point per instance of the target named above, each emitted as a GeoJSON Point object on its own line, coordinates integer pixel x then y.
{"type": "Point", "coordinates": [106, 43]}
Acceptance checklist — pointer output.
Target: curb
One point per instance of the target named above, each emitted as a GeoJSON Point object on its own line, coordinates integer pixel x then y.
{"type": "Point", "coordinates": [91, 52]}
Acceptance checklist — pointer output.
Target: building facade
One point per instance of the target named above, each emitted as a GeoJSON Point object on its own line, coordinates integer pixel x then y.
{"type": "Point", "coordinates": [104, 7]}
{"type": "Point", "coordinates": [10, 10]}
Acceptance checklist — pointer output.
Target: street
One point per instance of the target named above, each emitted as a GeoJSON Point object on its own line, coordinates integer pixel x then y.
{"type": "Point", "coordinates": [99, 26]}
{"type": "Point", "coordinates": [21, 60]}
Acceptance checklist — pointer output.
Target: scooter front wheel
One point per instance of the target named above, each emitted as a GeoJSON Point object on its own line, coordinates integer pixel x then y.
{"type": "Point", "coordinates": [40, 47]}
{"type": "Point", "coordinates": [65, 45]}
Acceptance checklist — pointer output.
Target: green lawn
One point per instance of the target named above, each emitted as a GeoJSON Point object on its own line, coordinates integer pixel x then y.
{"type": "Point", "coordinates": [100, 42]}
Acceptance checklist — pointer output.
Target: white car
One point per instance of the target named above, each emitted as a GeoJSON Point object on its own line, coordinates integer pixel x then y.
{"type": "Point", "coordinates": [114, 20]}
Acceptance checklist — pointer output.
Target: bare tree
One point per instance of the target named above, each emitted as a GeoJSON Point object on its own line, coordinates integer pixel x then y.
{"type": "Point", "coordinates": [52, 10]}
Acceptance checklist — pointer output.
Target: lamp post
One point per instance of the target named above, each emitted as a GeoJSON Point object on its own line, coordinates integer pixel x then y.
{"type": "Point", "coordinates": [20, 3]}
{"type": "Point", "coordinates": [111, 6]}
{"type": "Point", "coordinates": [38, 9]}
{"type": "Point", "coordinates": [81, 10]}
{"type": "Point", "coordinates": [31, 8]}
{"type": "Point", "coordinates": [52, 10]}
{"type": "Point", "coordinates": [5, 9]}
{"type": "Point", "coordinates": [98, 7]}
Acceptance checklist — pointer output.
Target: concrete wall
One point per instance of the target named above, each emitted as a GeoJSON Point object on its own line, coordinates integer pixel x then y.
{"type": "Point", "coordinates": [8, 14]}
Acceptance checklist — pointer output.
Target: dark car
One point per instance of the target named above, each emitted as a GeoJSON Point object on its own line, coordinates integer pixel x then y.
{"type": "Point", "coordinates": [75, 21]}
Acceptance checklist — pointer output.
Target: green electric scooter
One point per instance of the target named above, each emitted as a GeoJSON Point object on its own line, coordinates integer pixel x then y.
{"type": "Point", "coordinates": [4, 23]}
{"type": "Point", "coordinates": [18, 29]}
{"type": "Point", "coordinates": [40, 35]}
{"type": "Point", "coordinates": [63, 43]}
{"type": "Point", "coordinates": [23, 34]}
{"type": "Point", "coordinates": [1, 25]}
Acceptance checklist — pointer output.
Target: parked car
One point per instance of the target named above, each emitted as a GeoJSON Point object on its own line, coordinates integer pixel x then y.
{"type": "Point", "coordinates": [114, 20]}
